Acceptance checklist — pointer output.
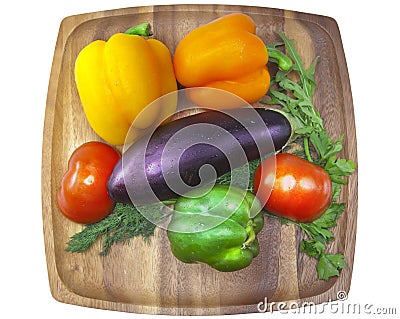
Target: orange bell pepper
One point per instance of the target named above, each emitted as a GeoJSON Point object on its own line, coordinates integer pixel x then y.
{"type": "Point", "coordinates": [224, 54]}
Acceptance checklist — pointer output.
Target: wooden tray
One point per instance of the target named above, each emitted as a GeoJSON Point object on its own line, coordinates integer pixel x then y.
{"type": "Point", "coordinates": [146, 278]}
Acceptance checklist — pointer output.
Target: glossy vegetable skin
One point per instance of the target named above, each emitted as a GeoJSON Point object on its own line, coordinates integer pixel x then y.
{"type": "Point", "coordinates": [118, 78]}
{"type": "Point", "coordinates": [219, 228]}
{"type": "Point", "coordinates": [283, 61]}
{"type": "Point", "coordinates": [301, 190]}
{"type": "Point", "coordinates": [128, 174]}
{"type": "Point", "coordinates": [83, 196]}
{"type": "Point", "coordinates": [224, 54]}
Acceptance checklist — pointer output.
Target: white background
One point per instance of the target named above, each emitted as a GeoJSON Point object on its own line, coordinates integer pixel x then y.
{"type": "Point", "coordinates": [29, 30]}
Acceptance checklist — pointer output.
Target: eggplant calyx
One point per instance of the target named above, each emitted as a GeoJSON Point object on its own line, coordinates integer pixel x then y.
{"type": "Point", "coordinates": [294, 122]}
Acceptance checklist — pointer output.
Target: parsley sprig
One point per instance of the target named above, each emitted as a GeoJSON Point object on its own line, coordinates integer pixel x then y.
{"type": "Point", "coordinates": [319, 236]}
{"type": "Point", "coordinates": [296, 99]}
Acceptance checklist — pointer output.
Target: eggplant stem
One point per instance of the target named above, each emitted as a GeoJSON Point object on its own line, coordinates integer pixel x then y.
{"type": "Point", "coordinates": [295, 124]}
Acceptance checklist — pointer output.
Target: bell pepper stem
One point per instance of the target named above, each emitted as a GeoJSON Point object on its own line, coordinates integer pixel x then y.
{"type": "Point", "coordinates": [251, 235]}
{"type": "Point", "coordinates": [169, 202]}
{"type": "Point", "coordinates": [143, 29]}
{"type": "Point", "coordinates": [283, 61]}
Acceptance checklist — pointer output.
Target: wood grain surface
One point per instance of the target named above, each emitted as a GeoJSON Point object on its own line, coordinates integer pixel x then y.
{"type": "Point", "coordinates": [145, 277]}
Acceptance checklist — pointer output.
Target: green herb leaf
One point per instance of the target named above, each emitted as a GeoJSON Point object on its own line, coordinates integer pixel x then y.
{"type": "Point", "coordinates": [320, 233]}
{"type": "Point", "coordinates": [244, 170]}
{"type": "Point", "coordinates": [336, 189]}
{"type": "Point", "coordinates": [325, 146]}
{"type": "Point", "coordinates": [281, 75]}
{"type": "Point", "coordinates": [298, 63]}
{"type": "Point", "coordinates": [312, 247]}
{"type": "Point", "coordinates": [304, 130]}
{"type": "Point", "coordinates": [330, 216]}
{"type": "Point", "coordinates": [310, 75]}
{"type": "Point", "coordinates": [339, 167]}
{"type": "Point", "coordinates": [329, 265]}
{"type": "Point", "coordinates": [290, 85]}
{"type": "Point", "coordinates": [123, 223]}
{"type": "Point", "coordinates": [281, 96]}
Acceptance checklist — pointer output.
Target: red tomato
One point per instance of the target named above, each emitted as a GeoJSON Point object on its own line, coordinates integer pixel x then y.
{"type": "Point", "coordinates": [299, 190]}
{"type": "Point", "coordinates": [83, 196]}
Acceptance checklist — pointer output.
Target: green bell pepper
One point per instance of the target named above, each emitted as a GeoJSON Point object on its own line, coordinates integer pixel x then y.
{"type": "Point", "coordinates": [218, 228]}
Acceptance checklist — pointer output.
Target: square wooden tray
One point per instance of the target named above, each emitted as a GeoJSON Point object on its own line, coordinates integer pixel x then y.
{"type": "Point", "coordinates": [145, 277]}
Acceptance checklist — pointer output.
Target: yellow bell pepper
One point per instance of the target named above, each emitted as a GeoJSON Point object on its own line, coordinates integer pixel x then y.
{"type": "Point", "coordinates": [117, 79]}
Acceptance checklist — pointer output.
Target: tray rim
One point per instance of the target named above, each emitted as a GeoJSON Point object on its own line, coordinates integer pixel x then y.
{"type": "Point", "coordinates": [58, 289]}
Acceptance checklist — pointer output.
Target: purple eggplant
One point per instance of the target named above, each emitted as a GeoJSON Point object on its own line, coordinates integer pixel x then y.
{"type": "Point", "coordinates": [194, 150]}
